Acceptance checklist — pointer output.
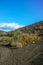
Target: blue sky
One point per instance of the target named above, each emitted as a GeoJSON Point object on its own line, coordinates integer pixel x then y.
{"type": "Point", "coordinates": [20, 13]}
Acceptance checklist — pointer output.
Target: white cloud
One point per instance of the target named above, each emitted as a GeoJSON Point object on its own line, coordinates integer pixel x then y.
{"type": "Point", "coordinates": [10, 26]}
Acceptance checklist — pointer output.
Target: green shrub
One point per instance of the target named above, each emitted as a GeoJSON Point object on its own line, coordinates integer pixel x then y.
{"type": "Point", "coordinates": [15, 35]}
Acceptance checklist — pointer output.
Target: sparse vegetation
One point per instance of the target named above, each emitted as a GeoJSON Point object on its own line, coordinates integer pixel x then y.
{"type": "Point", "coordinates": [26, 38]}
{"type": "Point", "coordinates": [23, 36]}
{"type": "Point", "coordinates": [41, 27]}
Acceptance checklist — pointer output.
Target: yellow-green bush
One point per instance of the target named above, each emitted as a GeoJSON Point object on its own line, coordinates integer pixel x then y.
{"type": "Point", "coordinates": [5, 39]}
{"type": "Point", "coordinates": [16, 44]}
{"type": "Point", "coordinates": [41, 27]}
{"type": "Point", "coordinates": [26, 38]}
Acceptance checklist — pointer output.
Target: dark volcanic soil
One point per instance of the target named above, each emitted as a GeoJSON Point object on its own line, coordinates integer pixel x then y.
{"type": "Point", "coordinates": [32, 54]}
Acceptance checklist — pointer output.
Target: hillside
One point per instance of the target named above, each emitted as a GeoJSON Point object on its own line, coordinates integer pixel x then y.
{"type": "Point", "coordinates": [23, 46]}
{"type": "Point", "coordinates": [32, 33]}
